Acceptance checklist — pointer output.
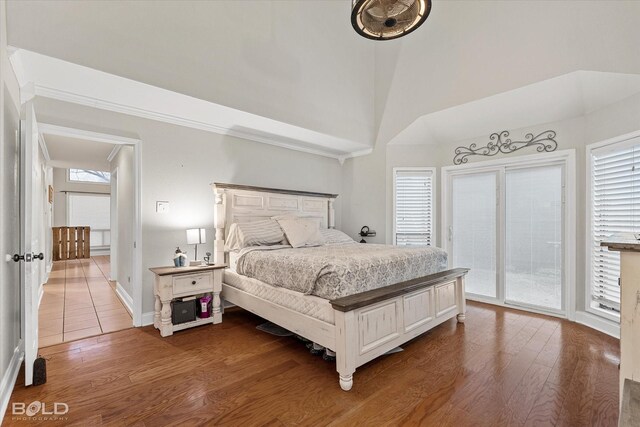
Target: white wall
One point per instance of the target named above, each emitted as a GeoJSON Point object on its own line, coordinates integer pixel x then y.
{"type": "Point", "coordinates": [363, 195]}
{"type": "Point", "coordinates": [62, 184]}
{"type": "Point", "coordinates": [363, 179]}
{"type": "Point", "coordinates": [9, 275]}
{"type": "Point", "coordinates": [124, 163]}
{"type": "Point", "coordinates": [179, 163]}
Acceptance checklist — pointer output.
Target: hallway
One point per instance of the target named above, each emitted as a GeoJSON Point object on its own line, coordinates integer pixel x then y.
{"type": "Point", "coordinates": [79, 301]}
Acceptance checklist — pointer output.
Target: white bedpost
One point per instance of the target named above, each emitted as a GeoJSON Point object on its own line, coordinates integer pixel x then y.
{"type": "Point", "coordinates": [332, 214]}
{"type": "Point", "coordinates": [219, 219]}
{"type": "Point", "coordinates": [346, 338]}
{"type": "Point", "coordinates": [462, 302]}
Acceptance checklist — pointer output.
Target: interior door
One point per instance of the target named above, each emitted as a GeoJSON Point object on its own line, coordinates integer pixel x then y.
{"type": "Point", "coordinates": [29, 238]}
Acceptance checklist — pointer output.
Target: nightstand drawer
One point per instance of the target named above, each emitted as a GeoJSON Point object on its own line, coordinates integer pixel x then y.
{"type": "Point", "coordinates": [192, 283]}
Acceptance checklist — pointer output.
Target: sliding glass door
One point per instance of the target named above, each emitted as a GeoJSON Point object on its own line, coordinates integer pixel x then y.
{"type": "Point", "coordinates": [473, 230]}
{"type": "Point", "coordinates": [533, 237]}
{"type": "Point", "coordinates": [506, 224]}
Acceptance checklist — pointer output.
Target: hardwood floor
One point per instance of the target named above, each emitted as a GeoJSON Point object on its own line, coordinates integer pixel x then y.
{"type": "Point", "coordinates": [503, 367]}
{"type": "Point", "coordinates": [79, 301]}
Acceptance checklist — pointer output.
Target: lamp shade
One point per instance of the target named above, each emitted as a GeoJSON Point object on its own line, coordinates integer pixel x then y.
{"type": "Point", "coordinates": [196, 236]}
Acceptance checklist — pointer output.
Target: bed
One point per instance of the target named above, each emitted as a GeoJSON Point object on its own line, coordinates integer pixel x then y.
{"type": "Point", "coordinates": [358, 324]}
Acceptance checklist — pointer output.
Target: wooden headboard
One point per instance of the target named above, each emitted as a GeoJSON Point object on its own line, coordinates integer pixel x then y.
{"type": "Point", "coordinates": [244, 203]}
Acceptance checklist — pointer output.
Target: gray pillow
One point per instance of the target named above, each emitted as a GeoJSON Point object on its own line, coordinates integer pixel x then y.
{"type": "Point", "coordinates": [257, 233]}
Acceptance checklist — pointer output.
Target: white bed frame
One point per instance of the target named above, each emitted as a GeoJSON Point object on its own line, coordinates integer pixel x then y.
{"type": "Point", "coordinates": [368, 324]}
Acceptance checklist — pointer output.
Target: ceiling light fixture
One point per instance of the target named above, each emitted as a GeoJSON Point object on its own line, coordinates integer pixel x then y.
{"type": "Point", "coordinates": [388, 19]}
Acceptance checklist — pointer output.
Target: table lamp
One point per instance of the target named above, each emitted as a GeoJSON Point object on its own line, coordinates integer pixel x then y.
{"type": "Point", "coordinates": [196, 236]}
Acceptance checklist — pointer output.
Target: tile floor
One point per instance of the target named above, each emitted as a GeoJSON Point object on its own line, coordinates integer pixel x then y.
{"type": "Point", "coordinates": [79, 301]}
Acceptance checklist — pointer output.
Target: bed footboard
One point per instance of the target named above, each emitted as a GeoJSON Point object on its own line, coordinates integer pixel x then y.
{"type": "Point", "coordinates": [371, 323]}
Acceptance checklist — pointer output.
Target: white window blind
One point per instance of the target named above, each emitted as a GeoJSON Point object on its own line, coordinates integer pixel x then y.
{"type": "Point", "coordinates": [615, 209]}
{"type": "Point", "coordinates": [93, 211]}
{"type": "Point", "coordinates": [413, 192]}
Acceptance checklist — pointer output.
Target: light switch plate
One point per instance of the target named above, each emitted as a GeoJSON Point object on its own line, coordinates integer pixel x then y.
{"type": "Point", "coordinates": [162, 207]}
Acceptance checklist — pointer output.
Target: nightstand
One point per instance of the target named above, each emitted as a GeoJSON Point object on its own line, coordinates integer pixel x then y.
{"type": "Point", "coordinates": [172, 283]}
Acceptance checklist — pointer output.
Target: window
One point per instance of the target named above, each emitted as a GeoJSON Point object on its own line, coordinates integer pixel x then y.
{"type": "Point", "coordinates": [413, 206]}
{"type": "Point", "coordinates": [93, 211]}
{"type": "Point", "coordinates": [87, 175]}
{"type": "Point", "coordinates": [615, 209]}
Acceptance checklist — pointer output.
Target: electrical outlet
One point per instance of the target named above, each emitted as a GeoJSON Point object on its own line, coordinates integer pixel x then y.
{"type": "Point", "coordinates": [162, 207]}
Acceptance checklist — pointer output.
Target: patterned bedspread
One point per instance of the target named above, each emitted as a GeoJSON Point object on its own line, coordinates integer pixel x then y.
{"type": "Point", "coordinates": [334, 271]}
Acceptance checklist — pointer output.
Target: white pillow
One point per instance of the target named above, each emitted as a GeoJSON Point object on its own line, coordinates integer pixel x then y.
{"type": "Point", "coordinates": [335, 237]}
{"type": "Point", "coordinates": [257, 233]}
{"type": "Point", "coordinates": [301, 232]}
{"type": "Point", "coordinates": [232, 241]}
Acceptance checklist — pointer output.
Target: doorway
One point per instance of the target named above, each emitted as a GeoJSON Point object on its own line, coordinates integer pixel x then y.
{"type": "Point", "coordinates": [83, 297]}
{"type": "Point", "coordinates": [509, 223]}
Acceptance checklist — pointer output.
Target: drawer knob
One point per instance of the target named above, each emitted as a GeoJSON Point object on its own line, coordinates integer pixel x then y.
{"type": "Point", "coordinates": [193, 282]}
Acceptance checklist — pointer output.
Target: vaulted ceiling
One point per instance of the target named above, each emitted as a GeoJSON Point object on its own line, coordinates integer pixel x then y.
{"type": "Point", "coordinates": [300, 65]}
{"type": "Point", "coordinates": [560, 98]}
{"type": "Point", "coordinates": [470, 50]}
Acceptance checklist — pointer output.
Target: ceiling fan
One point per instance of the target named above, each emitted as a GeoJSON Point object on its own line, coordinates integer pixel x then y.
{"type": "Point", "coordinates": [388, 19]}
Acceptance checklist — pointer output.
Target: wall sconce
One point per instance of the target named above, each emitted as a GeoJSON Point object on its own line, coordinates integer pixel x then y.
{"type": "Point", "coordinates": [196, 236]}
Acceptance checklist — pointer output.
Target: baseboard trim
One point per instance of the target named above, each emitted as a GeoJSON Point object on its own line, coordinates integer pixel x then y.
{"type": "Point", "coordinates": [9, 379]}
{"type": "Point", "coordinates": [47, 272]}
{"type": "Point", "coordinates": [126, 299]}
{"type": "Point", "coordinates": [147, 318]}
{"type": "Point", "coordinates": [598, 323]}
{"type": "Point", "coordinates": [515, 307]}
{"type": "Point", "coordinates": [100, 252]}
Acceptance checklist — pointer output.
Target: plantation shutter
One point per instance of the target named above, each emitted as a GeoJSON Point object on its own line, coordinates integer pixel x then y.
{"type": "Point", "coordinates": [414, 207]}
{"type": "Point", "coordinates": [615, 210]}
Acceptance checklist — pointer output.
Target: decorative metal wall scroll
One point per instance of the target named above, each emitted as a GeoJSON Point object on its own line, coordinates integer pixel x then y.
{"type": "Point", "coordinates": [501, 143]}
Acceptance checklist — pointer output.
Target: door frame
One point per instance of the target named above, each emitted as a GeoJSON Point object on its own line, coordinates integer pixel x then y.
{"type": "Point", "coordinates": [137, 227]}
{"type": "Point", "coordinates": [568, 158]}
{"type": "Point", "coordinates": [113, 251]}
